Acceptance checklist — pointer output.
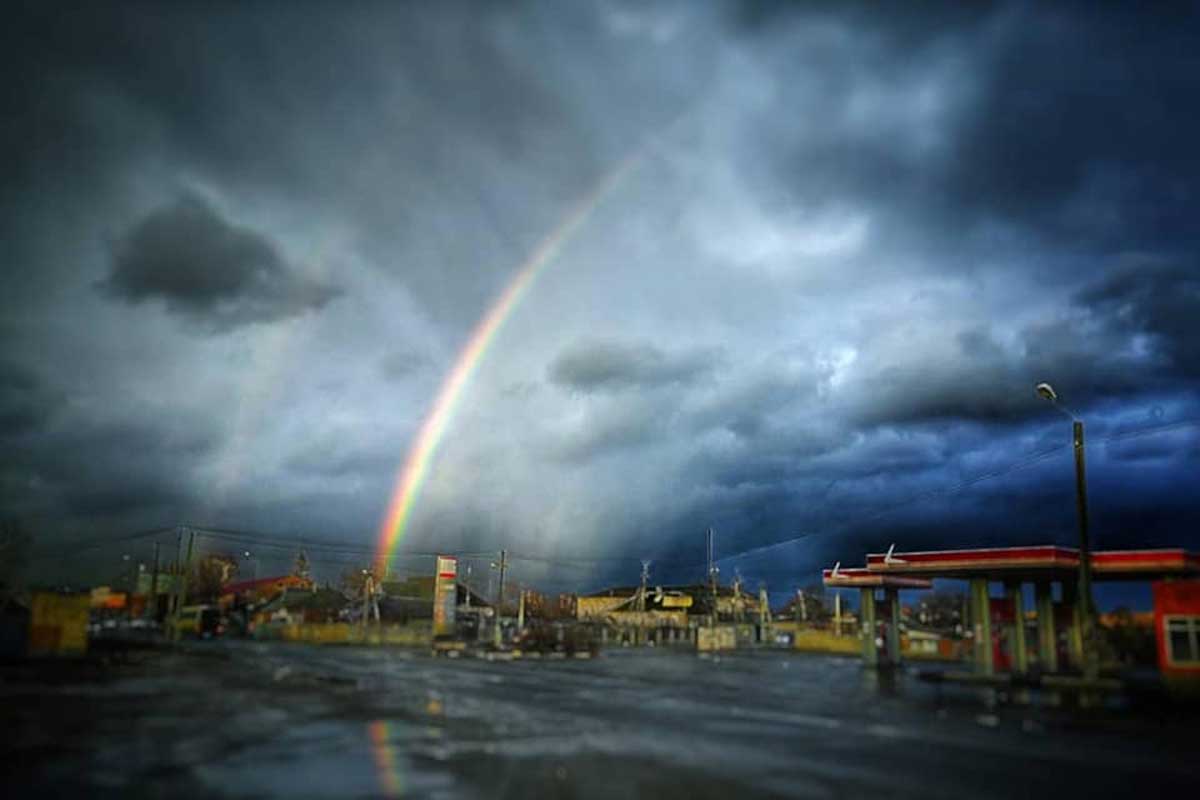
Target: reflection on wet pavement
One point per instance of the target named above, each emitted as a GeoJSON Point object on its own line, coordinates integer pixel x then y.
{"type": "Point", "coordinates": [253, 720]}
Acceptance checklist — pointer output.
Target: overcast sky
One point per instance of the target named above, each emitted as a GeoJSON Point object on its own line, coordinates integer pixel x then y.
{"type": "Point", "coordinates": [243, 246]}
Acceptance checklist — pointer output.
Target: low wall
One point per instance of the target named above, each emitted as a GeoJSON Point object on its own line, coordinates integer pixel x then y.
{"type": "Point", "coordinates": [646, 619]}
{"type": "Point", "coordinates": [717, 638]}
{"type": "Point", "coordinates": [943, 650]}
{"type": "Point", "coordinates": [813, 640]}
{"type": "Point", "coordinates": [597, 607]}
{"type": "Point", "coordinates": [415, 634]}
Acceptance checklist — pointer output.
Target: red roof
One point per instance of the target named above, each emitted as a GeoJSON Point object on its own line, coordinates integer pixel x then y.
{"type": "Point", "coordinates": [974, 560]}
{"type": "Point", "coordinates": [1040, 560]}
{"type": "Point", "coordinates": [861, 576]}
{"type": "Point", "coordinates": [264, 583]}
{"type": "Point", "coordinates": [1163, 561]}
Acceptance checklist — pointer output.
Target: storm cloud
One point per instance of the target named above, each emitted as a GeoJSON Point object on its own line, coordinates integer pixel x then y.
{"type": "Point", "coordinates": [215, 273]}
{"type": "Point", "coordinates": [801, 267]}
{"type": "Point", "coordinates": [610, 365]}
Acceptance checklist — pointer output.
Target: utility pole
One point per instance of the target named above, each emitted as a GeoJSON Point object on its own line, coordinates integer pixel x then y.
{"type": "Point", "coordinates": [181, 581]}
{"type": "Point", "coordinates": [764, 615]}
{"type": "Point", "coordinates": [1087, 607]}
{"type": "Point", "coordinates": [152, 601]}
{"type": "Point", "coordinates": [1085, 602]}
{"type": "Point", "coordinates": [737, 596]}
{"type": "Point", "coordinates": [129, 565]}
{"type": "Point", "coordinates": [803, 606]}
{"type": "Point", "coordinates": [641, 604]}
{"type": "Point", "coordinates": [501, 566]}
{"type": "Point", "coordinates": [174, 593]}
{"type": "Point", "coordinates": [369, 602]}
{"type": "Point", "coordinates": [712, 578]}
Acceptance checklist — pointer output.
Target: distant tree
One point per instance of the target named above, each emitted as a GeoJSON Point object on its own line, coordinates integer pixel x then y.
{"type": "Point", "coordinates": [816, 604]}
{"type": "Point", "coordinates": [1125, 640]}
{"type": "Point", "coordinates": [210, 575]}
{"type": "Point", "coordinates": [940, 609]}
{"type": "Point", "coordinates": [545, 606]}
{"type": "Point", "coordinates": [301, 568]}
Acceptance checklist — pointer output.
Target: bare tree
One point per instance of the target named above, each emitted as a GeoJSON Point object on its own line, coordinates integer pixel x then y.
{"type": "Point", "coordinates": [210, 575]}
{"type": "Point", "coordinates": [941, 609]}
{"type": "Point", "coordinates": [301, 568]}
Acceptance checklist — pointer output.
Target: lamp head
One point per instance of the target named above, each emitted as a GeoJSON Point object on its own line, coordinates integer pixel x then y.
{"type": "Point", "coordinates": [1046, 391]}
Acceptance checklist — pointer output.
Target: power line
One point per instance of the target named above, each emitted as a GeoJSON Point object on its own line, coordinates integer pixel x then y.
{"type": "Point", "coordinates": [275, 541]}
{"type": "Point", "coordinates": [92, 544]}
{"type": "Point", "coordinates": [1151, 429]}
{"type": "Point", "coordinates": [962, 485]}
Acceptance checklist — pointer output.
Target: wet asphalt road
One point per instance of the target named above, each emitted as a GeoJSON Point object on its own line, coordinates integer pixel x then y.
{"type": "Point", "coordinates": [244, 719]}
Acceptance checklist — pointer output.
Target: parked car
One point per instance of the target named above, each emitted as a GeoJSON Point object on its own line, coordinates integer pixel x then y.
{"type": "Point", "coordinates": [202, 621]}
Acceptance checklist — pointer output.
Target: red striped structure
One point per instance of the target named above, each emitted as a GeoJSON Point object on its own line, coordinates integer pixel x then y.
{"type": "Point", "coordinates": [863, 577]}
{"type": "Point", "coordinates": [1038, 561]}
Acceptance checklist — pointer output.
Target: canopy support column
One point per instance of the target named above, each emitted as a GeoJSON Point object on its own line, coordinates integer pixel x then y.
{"type": "Point", "coordinates": [870, 653]}
{"type": "Point", "coordinates": [981, 621]}
{"type": "Point", "coordinates": [1047, 635]}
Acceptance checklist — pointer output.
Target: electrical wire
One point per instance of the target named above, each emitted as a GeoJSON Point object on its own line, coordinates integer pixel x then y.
{"type": "Point", "coordinates": [959, 487]}
{"type": "Point", "coordinates": [276, 541]}
{"type": "Point", "coordinates": [91, 544]}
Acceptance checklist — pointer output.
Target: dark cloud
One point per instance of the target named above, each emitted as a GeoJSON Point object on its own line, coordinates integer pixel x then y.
{"type": "Point", "coordinates": [330, 457]}
{"type": "Point", "coordinates": [597, 366]}
{"type": "Point", "coordinates": [611, 431]}
{"type": "Point", "coordinates": [1080, 119]}
{"type": "Point", "coordinates": [26, 403]}
{"type": "Point", "coordinates": [1157, 301]}
{"type": "Point", "coordinates": [822, 257]}
{"type": "Point", "coordinates": [1147, 449]}
{"type": "Point", "coordinates": [401, 363]}
{"type": "Point", "coordinates": [1133, 331]}
{"type": "Point", "coordinates": [106, 471]}
{"type": "Point", "coordinates": [217, 274]}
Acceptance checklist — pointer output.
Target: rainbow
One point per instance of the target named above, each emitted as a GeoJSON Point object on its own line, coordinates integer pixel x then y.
{"type": "Point", "coordinates": [420, 455]}
{"type": "Point", "coordinates": [391, 775]}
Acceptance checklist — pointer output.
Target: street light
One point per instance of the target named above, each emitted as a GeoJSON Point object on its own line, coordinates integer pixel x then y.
{"type": "Point", "coordinates": [1087, 603]}
{"type": "Point", "coordinates": [246, 555]}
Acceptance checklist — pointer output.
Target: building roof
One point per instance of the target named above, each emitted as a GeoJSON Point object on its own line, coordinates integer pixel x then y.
{"type": "Point", "coordinates": [264, 583]}
{"type": "Point", "coordinates": [863, 577]}
{"type": "Point", "coordinates": [694, 589]}
{"type": "Point", "coordinates": [1147, 563]}
{"type": "Point", "coordinates": [1033, 562]}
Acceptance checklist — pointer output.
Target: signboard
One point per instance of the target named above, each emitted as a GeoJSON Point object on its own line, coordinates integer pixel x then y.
{"type": "Point", "coordinates": [676, 601]}
{"type": "Point", "coordinates": [445, 596]}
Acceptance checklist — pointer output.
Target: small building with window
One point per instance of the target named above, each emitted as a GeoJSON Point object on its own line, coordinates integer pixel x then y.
{"type": "Point", "coordinates": [1177, 627]}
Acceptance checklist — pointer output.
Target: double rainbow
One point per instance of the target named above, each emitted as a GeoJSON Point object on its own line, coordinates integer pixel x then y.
{"type": "Point", "coordinates": [420, 455]}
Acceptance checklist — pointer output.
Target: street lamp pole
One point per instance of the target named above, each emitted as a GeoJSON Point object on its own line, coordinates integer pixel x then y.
{"type": "Point", "coordinates": [1087, 603]}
